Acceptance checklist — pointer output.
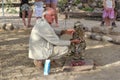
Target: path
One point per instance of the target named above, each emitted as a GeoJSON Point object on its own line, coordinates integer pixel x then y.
{"type": "Point", "coordinates": [15, 64]}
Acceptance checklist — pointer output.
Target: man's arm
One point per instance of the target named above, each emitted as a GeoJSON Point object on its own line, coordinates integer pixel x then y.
{"type": "Point", "coordinates": [48, 33]}
{"type": "Point", "coordinates": [68, 31]}
{"type": "Point", "coordinates": [61, 32]}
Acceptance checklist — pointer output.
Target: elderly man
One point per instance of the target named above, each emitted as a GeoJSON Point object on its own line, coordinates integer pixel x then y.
{"type": "Point", "coordinates": [53, 4]}
{"type": "Point", "coordinates": [44, 43]}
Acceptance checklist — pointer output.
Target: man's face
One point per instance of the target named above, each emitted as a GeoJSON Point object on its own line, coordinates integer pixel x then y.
{"type": "Point", "coordinates": [50, 16]}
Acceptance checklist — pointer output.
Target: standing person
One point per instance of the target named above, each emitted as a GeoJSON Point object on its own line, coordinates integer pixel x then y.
{"type": "Point", "coordinates": [116, 8]}
{"type": "Point", "coordinates": [38, 8]}
{"type": "Point", "coordinates": [108, 12]}
{"type": "Point", "coordinates": [25, 7]}
{"type": "Point", "coordinates": [53, 4]}
{"type": "Point", "coordinates": [44, 43]}
{"type": "Point", "coordinates": [115, 13]}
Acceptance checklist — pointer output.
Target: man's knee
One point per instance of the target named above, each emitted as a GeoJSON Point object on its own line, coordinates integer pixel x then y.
{"type": "Point", "coordinates": [65, 49]}
{"type": "Point", "coordinates": [59, 51]}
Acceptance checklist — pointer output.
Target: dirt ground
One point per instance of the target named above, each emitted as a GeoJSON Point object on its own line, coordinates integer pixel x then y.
{"type": "Point", "coordinates": [15, 64]}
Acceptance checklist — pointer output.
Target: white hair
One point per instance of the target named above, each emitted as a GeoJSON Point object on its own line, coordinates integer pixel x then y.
{"type": "Point", "coordinates": [46, 11]}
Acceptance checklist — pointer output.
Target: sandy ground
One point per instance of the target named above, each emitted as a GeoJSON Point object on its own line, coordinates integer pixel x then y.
{"type": "Point", "coordinates": [15, 64]}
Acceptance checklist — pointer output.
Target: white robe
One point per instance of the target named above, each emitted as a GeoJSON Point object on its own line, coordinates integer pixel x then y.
{"type": "Point", "coordinates": [42, 41]}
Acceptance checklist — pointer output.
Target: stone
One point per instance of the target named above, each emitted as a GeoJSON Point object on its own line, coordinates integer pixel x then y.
{"type": "Point", "coordinates": [89, 64]}
{"type": "Point", "coordinates": [96, 29]}
{"type": "Point", "coordinates": [105, 30]}
{"type": "Point", "coordinates": [80, 6]}
{"type": "Point", "coordinates": [88, 34]}
{"type": "Point", "coordinates": [106, 38]}
{"type": "Point", "coordinates": [116, 40]}
{"type": "Point", "coordinates": [2, 26]}
{"type": "Point", "coordinates": [95, 36]}
{"type": "Point", "coordinates": [114, 31]}
{"type": "Point", "coordinates": [98, 10]}
{"type": "Point", "coordinates": [9, 27]}
{"type": "Point", "coordinates": [93, 5]}
{"type": "Point", "coordinates": [77, 14]}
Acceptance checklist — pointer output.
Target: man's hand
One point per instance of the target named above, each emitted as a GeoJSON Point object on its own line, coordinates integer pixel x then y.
{"type": "Point", "coordinates": [75, 41]}
{"type": "Point", "coordinates": [70, 31]}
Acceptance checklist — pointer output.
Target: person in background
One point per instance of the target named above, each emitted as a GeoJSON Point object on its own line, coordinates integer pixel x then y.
{"type": "Point", "coordinates": [109, 13]}
{"type": "Point", "coordinates": [44, 42]}
{"type": "Point", "coordinates": [116, 8]}
{"type": "Point", "coordinates": [53, 4]}
{"type": "Point", "coordinates": [38, 8]}
{"type": "Point", "coordinates": [25, 7]}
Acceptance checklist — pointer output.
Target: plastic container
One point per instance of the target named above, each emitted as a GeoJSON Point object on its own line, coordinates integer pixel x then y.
{"type": "Point", "coordinates": [47, 67]}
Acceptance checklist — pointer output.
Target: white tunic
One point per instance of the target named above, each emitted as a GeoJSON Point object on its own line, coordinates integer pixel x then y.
{"type": "Point", "coordinates": [109, 3]}
{"type": "Point", "coordinates": [42, 40]}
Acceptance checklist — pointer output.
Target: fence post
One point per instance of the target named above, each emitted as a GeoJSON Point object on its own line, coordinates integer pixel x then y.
{"type": "Point", "coordinates": [3, 7]}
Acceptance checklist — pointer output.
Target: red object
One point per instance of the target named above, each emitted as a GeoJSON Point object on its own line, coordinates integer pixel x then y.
{"type": "Point", "coordinates": [77, 63]}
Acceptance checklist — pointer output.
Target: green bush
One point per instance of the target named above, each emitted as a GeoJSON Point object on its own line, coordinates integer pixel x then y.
{"type": "Point", "coordinates": [63, 2]}
{"type": "Point", "coordinates": [13, 11]}
{"type": "Point", "coordinates": [77, 1]}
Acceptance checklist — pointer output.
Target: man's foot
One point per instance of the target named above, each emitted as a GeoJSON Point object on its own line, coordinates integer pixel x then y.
{"type": "Point", "coordinates": [114, 24]}
{"type": "Point", "coordinates": [53, 63]}
{"type": "Point", "coordinates": [38, 64]}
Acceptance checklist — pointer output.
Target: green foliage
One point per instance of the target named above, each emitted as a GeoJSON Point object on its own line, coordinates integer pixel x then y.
{"type": "Point", "coordinates": [77, 1]}
{"type": "Point", "coordinates": [61, 5]}
{"type": "Point", "coordinates": [61, 2]}
{"type": "Point", "coordinates": [8, 5]}
{"type": "Point", "coordinates": [13, 11]}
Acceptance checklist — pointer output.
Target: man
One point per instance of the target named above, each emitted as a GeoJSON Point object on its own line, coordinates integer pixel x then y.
{"type": "Point", "coordinates": [44, 43]}
{"type": "Point", "coordinates": [53, 4]}
{"type": "Point", "coordinates": [24, 6]}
